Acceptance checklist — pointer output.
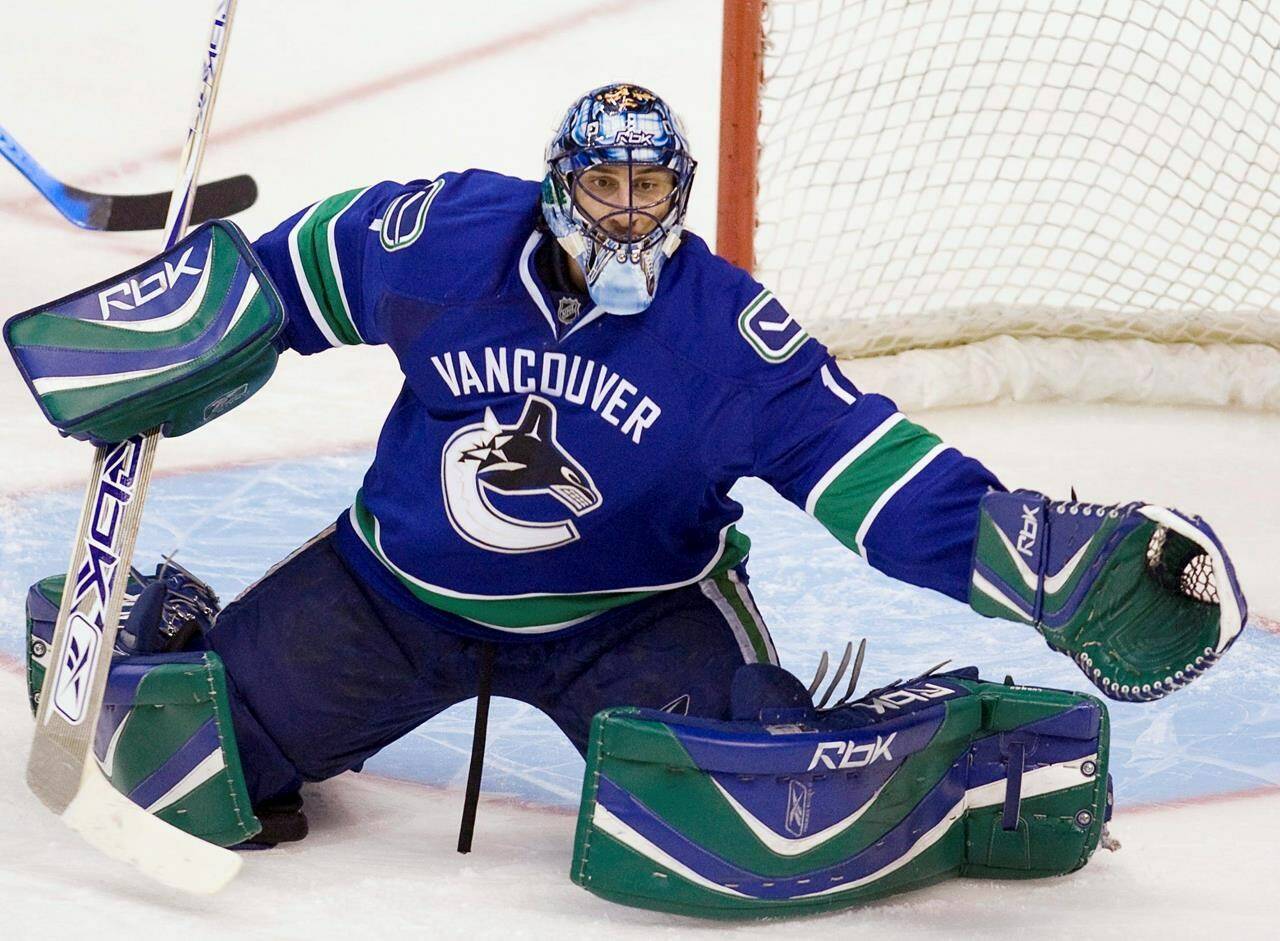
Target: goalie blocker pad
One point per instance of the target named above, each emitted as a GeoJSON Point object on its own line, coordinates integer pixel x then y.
{"type": "Point", "coordinates": [806, 811]}
{"type": "Point", "coordinates": [164, 738]}
{"type": "Point", "coordinates": [172, 343]}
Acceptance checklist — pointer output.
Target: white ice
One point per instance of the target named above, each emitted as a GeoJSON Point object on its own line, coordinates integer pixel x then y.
{"type": "Point", "coordinates": [321, 96]}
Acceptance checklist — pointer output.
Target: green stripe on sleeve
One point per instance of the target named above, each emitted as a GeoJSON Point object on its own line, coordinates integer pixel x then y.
{"type": "Point", "coordinates": [850, 501]}
{"type": "Point", "coordinates": [317, 254]}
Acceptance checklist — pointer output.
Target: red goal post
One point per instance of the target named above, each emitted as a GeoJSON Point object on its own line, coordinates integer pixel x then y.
{"type": "Point", "coordinates": [741, 60]}
{"type": "Point", "coordinates": [1014, 199]}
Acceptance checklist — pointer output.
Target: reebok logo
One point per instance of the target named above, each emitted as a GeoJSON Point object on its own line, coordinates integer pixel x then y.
{"type": "Point", "coordinates": [71, 690]}
{"type": "Point", "coordinates": [1030, 528]}
{"type": "Point", "coordinates": [132, 294]}
{"type": "Point", "coordinates": [78, 658]}
{"type": "Point", "coordinates": [895, 699]}
{"type": "Point", "coordinates": [799, 801]}
{"type": "Point", "coordinates": [841, 756]}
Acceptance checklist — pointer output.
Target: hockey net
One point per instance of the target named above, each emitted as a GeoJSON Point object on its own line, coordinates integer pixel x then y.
{"type": "Point", "coordinates": [1032, 199]}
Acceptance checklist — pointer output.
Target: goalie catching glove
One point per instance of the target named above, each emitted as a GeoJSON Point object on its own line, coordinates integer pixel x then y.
{"type": "Point", "coordinates": [1143, 598]}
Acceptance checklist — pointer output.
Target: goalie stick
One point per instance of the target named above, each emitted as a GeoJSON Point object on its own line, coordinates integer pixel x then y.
{"type": "Point", "coordinates": [62, 770]}
{"type": "Point", "coordinates": [131, 212]}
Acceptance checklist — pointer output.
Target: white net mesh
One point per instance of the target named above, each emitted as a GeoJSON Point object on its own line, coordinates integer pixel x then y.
{"type": "Point", "coordinates": [939, 173]}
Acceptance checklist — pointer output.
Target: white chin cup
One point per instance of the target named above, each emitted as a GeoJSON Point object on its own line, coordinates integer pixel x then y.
{"type": "Point", "coordinates": [620, 282]}
{"type": "Point", "coordinates": [618, 285]}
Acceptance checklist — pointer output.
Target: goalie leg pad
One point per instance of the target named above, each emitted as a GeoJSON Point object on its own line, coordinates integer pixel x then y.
{"type": "Point", "coordinates": [165, 738]}
{"type": "Point", "coordinates": [939, 777]}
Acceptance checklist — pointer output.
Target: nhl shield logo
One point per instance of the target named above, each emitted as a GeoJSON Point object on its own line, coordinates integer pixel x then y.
{"type": "Point", "coordinates": [568, 309]}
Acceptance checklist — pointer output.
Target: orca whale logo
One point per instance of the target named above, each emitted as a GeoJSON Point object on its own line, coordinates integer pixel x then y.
{"type": "Point", "coordinates": [524, 459]}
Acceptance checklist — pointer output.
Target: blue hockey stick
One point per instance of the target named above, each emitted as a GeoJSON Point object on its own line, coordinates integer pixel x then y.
{"type": "Point", "coordinates": [127, 213]}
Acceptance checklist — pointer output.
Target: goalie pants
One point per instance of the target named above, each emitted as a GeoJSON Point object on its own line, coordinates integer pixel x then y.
{"type": "Point", "coordinates": [324, 671]}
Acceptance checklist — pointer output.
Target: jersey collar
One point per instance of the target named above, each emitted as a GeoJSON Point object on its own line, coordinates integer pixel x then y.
{"type": "Point", "coordinates": [541, 296]}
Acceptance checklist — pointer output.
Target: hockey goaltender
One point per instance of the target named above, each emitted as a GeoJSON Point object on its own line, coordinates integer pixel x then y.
{"type": "Point", "coordinates": [547, 517]}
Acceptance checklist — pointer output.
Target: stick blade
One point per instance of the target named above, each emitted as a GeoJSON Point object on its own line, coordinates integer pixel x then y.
{"type": "Point", "coordinates": [150, 211]}
{"type": "Point", "coordinates": [122, 830]}
{"type": "Point", "coordinates": [223, 198]}
{"type": "Point", "coordinates": [53, 773]}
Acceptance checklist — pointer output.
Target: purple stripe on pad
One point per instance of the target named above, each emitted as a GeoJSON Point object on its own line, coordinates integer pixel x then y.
{"type": "Point", "coordinates": [42, 362]}
{"type": "Point", "coordinates": [931, 810]}
{"type": "Point", "coordinates": [840, 772]}
{"type": "Point", "coordinates": [746, 748]}
{"type": "Point", "coordinates": [1068, 736]}
{"type": "Point", "coordinates": [196, 749]}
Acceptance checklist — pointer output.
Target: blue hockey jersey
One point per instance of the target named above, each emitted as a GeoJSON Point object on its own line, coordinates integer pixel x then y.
{"type": "Point", "coordinates": [546, 461]}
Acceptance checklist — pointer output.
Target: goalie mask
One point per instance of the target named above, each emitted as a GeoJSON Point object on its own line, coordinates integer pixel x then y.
{"type": "Point", "coordinates": [616, 190]}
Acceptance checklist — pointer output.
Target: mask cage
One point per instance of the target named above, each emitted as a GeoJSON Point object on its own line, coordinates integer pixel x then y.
{"type": "Point", "coordinates": [567, 169]}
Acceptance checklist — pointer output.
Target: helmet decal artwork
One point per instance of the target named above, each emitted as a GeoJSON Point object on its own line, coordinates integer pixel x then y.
{"type": "Point", "coordinates": [616, 190]}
